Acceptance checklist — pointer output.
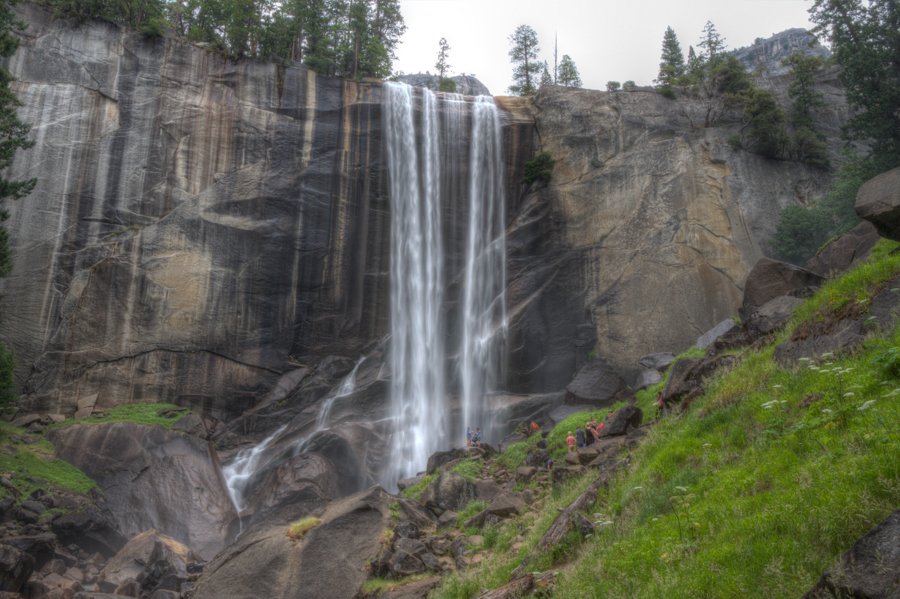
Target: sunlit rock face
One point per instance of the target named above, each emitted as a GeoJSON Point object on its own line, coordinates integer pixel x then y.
{"type": "Point", "coordinates": [199, 224]}
{"type": "Point", "coordinates": [645, 235]}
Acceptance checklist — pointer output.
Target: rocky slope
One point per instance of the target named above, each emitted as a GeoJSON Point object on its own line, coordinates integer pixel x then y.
{"type": "Point", "coordinates": [768, 53]}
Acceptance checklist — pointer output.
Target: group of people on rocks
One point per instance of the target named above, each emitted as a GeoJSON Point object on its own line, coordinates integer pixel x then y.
{"type": "Point", "coordinates": [588, 435]}
{"type": "Point", "coordinates": [473, 439]}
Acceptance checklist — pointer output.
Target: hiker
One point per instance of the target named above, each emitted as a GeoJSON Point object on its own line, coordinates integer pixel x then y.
{"type": "Point", "coordinates": [535, 427]}
{"type": "Point", "coordinates": [477, 437]}
{"type": "Point", "coordinates": [589, 435]}
{"type": "Point", "coordinates": [661, 403]}
{"type": "Point", "coordinates": [579, 437]}
{"type": "Point", "coordinates": [570, 441]}
{"type": "Point", "coordinates": [468, 436]}
{"type": "Point", "coordinates": [549, 463]}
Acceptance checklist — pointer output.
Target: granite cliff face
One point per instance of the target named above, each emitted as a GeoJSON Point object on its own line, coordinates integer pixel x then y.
{"type": "Point", "coordinates": [202, 227]}
{"type": "Point", "coordinates": [769, 52]}
{"type": "Point", "coordinates": [645, 235]}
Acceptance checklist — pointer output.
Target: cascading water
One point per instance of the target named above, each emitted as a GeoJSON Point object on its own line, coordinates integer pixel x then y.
{"type": "Point", "coordinates": [417, 383]}
{"type": "Point", "coordinates": [419, 404]}
{"type": "Point", "coordinates": [484, 303]}
{"type": "Point", "coordinates": [346, 388]}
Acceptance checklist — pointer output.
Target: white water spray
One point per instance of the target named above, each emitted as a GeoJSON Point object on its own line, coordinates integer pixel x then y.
{"type": "Point", "coordinates": [239, 471]}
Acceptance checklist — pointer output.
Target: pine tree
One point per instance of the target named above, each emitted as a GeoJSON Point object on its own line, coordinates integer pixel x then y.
{"type": "Point", "coordinates": [442, 65]}
{"type": "Point", "coordinates": [546, 78]}
{"type": "Point", "coordinates": [712, 42]}
{"type": "Point", "coordinates": [13, 137]}
{"type": "Point", "coordinates": [672, 66]}
{"type": "Point", "coordinates": [524, 55]}
{"type": "Point", "coordinates": [568, 72]}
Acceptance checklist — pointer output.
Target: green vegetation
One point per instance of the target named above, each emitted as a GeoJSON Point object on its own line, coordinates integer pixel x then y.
{"type": "Point", "coordinates": [612, 86]}
{"type": "Point", "coordinates": [556, 441]}
{"type": "Point", "coordinates": [672, 66]}
{"type": "Point", "coordinates": [524, 55]}
{"type": "Point", "coordinates": [470, 469]}
{"type": "Point", "coordinates": [568, 73]}
{"type": "Point", "coordinates": [380, 584]}
{"type": "Point", "coordinates": [417, 488]}
{"type": "Point", "coordinates": [13, 137]}
{"type": "Point", "coordinates": [349, 39]}
{"type": "Point", "coordinates": [300, 527]}
{"type": "Point", "coordinates": [140, 413]}
{"type": "Point", "coordinates": [539, 169]}
{"type": "Point", "coordinates": [443, 63]}
{"type": "Point", "coordinates": [754, 490]}
{"type": "Point", "coordinates": [514, 455]}
{"type": "Point", "coordinates": [35, 461]}
{"type": "Point", "coordinates": [472, 508]}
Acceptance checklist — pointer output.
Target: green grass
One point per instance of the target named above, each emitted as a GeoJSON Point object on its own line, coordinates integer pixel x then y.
{"type": "Point", "coordinates": [300, 527]}
{"type": "Point", "coordinates": [470, 469]}
{"type": "Point", "coordinates": [35, 460]}
{"type": "Point", "coordinates": [472, 508]}
{"type": "Point", "coordinates": [514, 455]}
{"type": "Point", "coordinates": [753, 492]}
{"type": "Point", "coordinates": [380, 584]}
{"type": "Point", "coordinates": [415, 490]}
{"type": "Point", "coordinates": [139, 413]}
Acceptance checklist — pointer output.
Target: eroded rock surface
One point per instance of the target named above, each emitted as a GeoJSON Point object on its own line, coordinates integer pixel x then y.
{"type": "Point", "coordinates": [152, 478]}
{"type": "Point", "coordinates": [878, 202]}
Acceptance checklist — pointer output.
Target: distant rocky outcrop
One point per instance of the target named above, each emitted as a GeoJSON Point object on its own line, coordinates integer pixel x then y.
{"type": "Point", "coordinates": [767, 54]}
{"type": "Point", "coordinates": [465, 84]}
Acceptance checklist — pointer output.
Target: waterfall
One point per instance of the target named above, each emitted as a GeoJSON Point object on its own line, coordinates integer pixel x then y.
{"type": "Point", "coordinates": [484, 304]}
{"type": "Point", "coordinates": [237, 474]}
{"type": "Point", "coordinates": [417, 384]}
{"type": "Point", "coordinates": [417, 184]}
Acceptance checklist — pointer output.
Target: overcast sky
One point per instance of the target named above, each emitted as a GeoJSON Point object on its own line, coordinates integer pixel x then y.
{"type": "Point", "coordinates": [608, 40]}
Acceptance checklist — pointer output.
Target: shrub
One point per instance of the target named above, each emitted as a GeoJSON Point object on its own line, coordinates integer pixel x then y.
{"type": "Point", "coordinates": [513, 456]}
{"type": "Point", "coordinates": [629, 84]}
{"type": "Point", "coordinates": [470, 469]}
{"type": "Point", "coordinates": [299, 528]}
{"type": "Point", "coordinates": [735, 142]}
{"type": "Point", "coordinates": [448, 85]}
{"type": "Point", "coordinates": [539, 169]}
{"type": "Point", "coordinates": [667, 92]}
{"type": "Point", "coordinates": [612, 86]}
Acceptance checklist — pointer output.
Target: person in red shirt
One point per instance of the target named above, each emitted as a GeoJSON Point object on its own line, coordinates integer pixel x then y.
{"type": "Point", "coordinates": [570, 441]}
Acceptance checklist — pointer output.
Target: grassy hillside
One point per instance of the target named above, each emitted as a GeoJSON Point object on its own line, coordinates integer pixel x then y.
{"type": "Point", "coordinates": [755, 489]}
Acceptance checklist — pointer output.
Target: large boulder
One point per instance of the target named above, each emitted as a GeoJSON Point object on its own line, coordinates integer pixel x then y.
{"type": "Point", "coordinates": [15, 568]}
{"type": "Point", "coordinates": [146, 556]}
{"type": "Point", "coordinates": [629, 417]}
{"type": "Point", "coordinates": [507, 504]}
{"type": "Point", "coordinates": [723, 328]}
{"type": "Point", "coordinates": [301, 478]}
{"type": "Point", "coordinates": [771, 278]}
{"type": "Point", "coordinates": [439, 458]}
{"type": "Point", "coordinates": [878, 201]}
{"type": "Point", "coordinates": [775, 313]}
{"type": "Point", "coordinates": [87, 523]}
{"type": "Point", "coordinates": [328, 561]}
{"type": "Point", "coordinates": [449, 492]}
{"type": "Point", "coordinates": [688, 373]}
{"type": "Point", "coordinates": [845, 252]}
{"type": "Point", "coordinates": [153, 478]}
{"type": "Point", "coordinates": [511, 410]}
{"type": "Point", "coordinates": [658, 361]}
{"type": "Point", "coordinates": [648, 378]}
{"type": "Point", "coordinates": [870, 569]}
{"type": "Point", "coordinates": [598, 384]}
{"type": "Point", "coordinates": [511, 439]}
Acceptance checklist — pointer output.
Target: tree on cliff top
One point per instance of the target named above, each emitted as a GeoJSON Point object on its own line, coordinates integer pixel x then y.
{"type": "Point", "coordinates": [568, 72]}
{"type": "Point", "coordinates": [546, 77]}
{"type": "Point", "coordinates": [524, 55]}
{"type": "Point", "coordinates": [13, 137]}
{"type": "Point", "coordinates": [712, 42]}
{"type": "Point", "coordinates": [443, 61]}
{"type": "Point", "coordinates": [672, 65]}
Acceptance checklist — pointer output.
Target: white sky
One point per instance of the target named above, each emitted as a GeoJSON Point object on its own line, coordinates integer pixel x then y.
{"type": "Point", "coordinates": [608, 39]}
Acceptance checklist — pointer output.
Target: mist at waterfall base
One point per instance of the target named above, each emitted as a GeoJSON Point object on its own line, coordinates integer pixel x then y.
{"type": "Point", "coordinates": [419, 143]}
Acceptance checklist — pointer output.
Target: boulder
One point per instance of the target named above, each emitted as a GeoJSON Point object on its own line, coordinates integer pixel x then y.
{"type": "Point", "coordinates": [724, 327]}
{"type": "Point", "coordinates": [597, 384]}
{"type": "Point", "coordinates": [143, 554]}
{"type": "Point", "coordinates": [507, 505]}
{"type": "Point", "coordinates": [621, 420]}
{"type": "Point", "coordinates": [878, 201]}
{"type": "Point", "coordinates": [813, 339]}
{"type": "Point", "coordinates": [329, 561]}
{"type": "Point", "coordinates": [648, 378]}
{"type": "Point", "coordinates": [771, 278]}
{"type": "Point", "coordinates": [406, 530]}
{"type": "Point", "coordinates": [486, 489]}
{"type": "Point", "coordinates": [42, 547]}
{"type": "Point", "coordinates": [528, 408]}
{"type": "Point", "coordinates": [845, 252]}
{"type": "Point", "coordinates": [775, 313]}
{"type": "Point", "coordinates": [658, 361]}
{"type": "Point", "coordinates": [439, 458]}
{"type": "Point", "coordinates": [687, 374]}
{"type": "Point", "coordinates": [511, 439]}
{"type": "Point", "coordinates": [561, 475]}
{"type": "Point", "coordinates": [86, 523]}
{"type": "Point", "coordinates": [525, 474]}
{"type": "Point", "coordinates": [537, 458]}
{"type": "Point", "coordinates": [410, 546]}
{"type": "Point", "coordinates": [588, 454]}
{"type": "Point", "coordinates": [563, 412]}
{"type": "Point", "coordinates": [410, 482]}
{"type": "Point", "coordinates": [870, 569]}
{"type": "Point", "coordinates": [301, 478]}
{"type": "Point", "coordinates": [15, 568]}
{"type": "Point", "coordinates": [180, 490]}
{"type": "Point", "coordinates": [447, 519]}
{"type": "Point", "coordinates": [448, 492]}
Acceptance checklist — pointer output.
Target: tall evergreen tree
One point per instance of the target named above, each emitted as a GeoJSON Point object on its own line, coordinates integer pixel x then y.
{"type": "Point", "coordinates": [13, 137]}
{"type": "Point", "coordinates": [568, 72]}
{"type": "Point", "coordinates": [672, 66]}
{"type": "Point", "coordinates": [865, 40]}
{"type": "Point", "coordinates": [524, 55]}
{"type": "Point", "coordinates": [443, 61]}
{"type": "Point", "coordinates": [546, 78]}
{"type": "Point", "coordinates": [712, 43]}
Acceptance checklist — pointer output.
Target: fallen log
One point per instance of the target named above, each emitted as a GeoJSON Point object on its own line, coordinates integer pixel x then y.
{"type": "Point", "coordinates": [518, 588]}
{"type": "Point", "coordinates": [560, 526]}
